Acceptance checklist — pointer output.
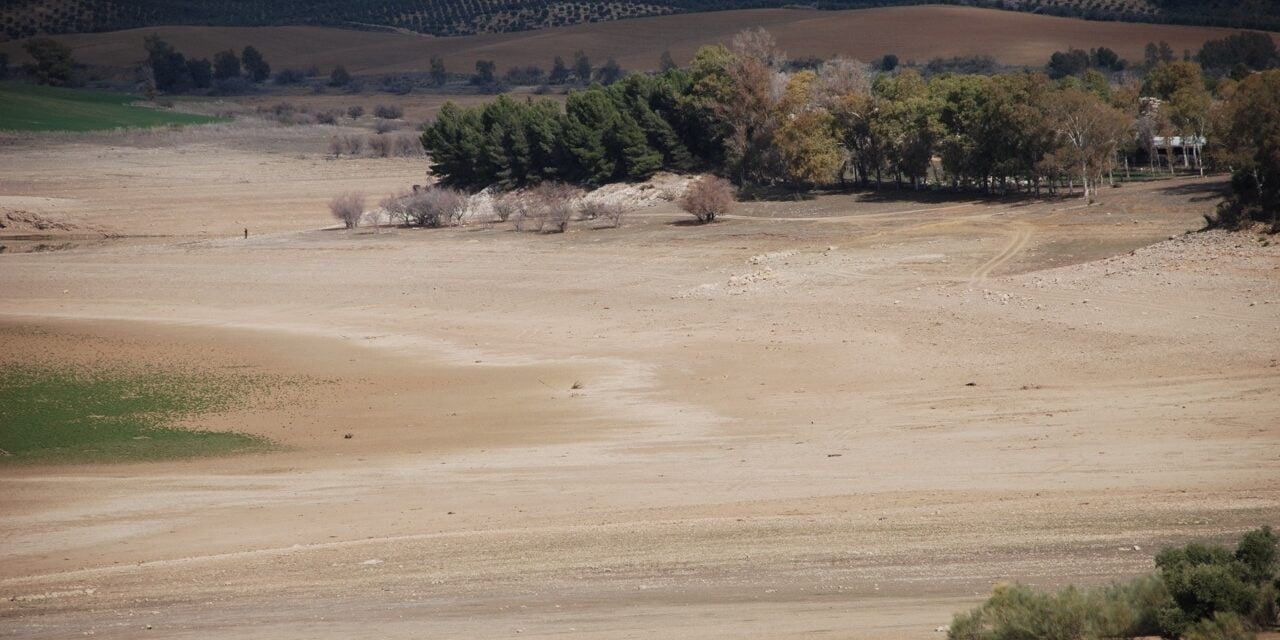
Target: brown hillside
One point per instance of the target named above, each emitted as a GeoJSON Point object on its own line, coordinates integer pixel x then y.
{"type": "Point", "coordinates": [913, 33]}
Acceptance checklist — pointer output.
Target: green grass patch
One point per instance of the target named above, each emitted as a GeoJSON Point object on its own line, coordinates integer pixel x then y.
{"type": "Point", "coordinates": [30, 107]}
{"type": "Point", "coordinates": [66, 414]}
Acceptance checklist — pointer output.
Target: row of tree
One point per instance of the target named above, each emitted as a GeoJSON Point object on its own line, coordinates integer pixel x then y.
{"type": "Point", "coordinates": [735, 109]}
{"type": "Point", "coordinates": [172, 72]}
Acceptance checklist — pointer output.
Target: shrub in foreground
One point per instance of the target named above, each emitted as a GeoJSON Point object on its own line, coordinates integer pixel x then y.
{"type": "Point", "coordinates": [707, 197]}
{"type": "Point", "coordinates": [348, 208]}
{"type": "Point", "coordinates": [1202, 592]}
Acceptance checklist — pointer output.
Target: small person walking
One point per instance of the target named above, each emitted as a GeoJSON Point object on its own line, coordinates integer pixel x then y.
{"type": "Point", "coordinates": [246, 233]}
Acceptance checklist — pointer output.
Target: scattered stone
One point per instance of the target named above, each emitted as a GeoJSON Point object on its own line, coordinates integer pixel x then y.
{"type": "Point", "coordinates": [348, 436]}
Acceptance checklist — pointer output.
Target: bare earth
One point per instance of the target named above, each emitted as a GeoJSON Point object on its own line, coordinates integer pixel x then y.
{"type": "Point", "coordinates": [842, 417]}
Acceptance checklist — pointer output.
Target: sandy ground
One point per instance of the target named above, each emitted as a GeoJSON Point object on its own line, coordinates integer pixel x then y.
{"type": "Point", "coordinates": [841, 417]}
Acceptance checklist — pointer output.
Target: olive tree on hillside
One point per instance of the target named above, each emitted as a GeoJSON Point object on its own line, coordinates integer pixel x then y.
{"type": "Point", "coordinates": [255, 65]}
{"type": "Point", "coordinates": [52, 62]}
{"type": "Point", "coordinates": [439, 75]}
{"type": "Point", "coordinates": [226, 65]}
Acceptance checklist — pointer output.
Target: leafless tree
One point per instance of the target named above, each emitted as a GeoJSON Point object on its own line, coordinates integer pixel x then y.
{"type": "Point", "coordinates": [355, 145]}
{"type": "Point", "coordinates": [750, 108]}
{"type": "Point", "coordinates": [612, 212]}
{"type": "Point", "coordinates": [506, 205]}
{"type": "Point", "coordinates": [435, 207]}
{"type": "Point", "coordinates": [407, 145]}
{"type": "Point", "coordinates": [348, 208]}
{"type": "Point", "coordinates": [380, 146]}
{"type": "Point", "coordinates": [840, 77]}
{"type": "Point", "coordinates": [556, 202]}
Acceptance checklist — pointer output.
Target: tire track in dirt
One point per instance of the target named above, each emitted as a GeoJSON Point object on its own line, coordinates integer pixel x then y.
{"type": "Point", "coordinates": [1021, 237]}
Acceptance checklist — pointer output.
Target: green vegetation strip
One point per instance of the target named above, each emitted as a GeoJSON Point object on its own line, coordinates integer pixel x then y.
{"type": "Point", "coordinates": [29, 107]}
{"type": "Point", "coordinates": [65, 414]}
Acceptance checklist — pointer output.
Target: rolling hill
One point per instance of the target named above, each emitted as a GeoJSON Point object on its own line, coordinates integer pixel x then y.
{"type": "Point", "coordinates": [24, 18]}
{"type": "Point", "coordinates": [913, 33]}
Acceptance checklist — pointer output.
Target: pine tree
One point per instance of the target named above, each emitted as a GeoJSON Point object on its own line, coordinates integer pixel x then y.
{"type": "Point", "coordinates": [636, 159]}
{"type": "Point", "coordinates": [588, 115]}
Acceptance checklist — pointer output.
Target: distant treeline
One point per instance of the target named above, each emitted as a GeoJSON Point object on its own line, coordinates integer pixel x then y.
{"type": "Point", "coordinates": [24, 18]}
{"type": "Point", "coordinates": [841, 121]}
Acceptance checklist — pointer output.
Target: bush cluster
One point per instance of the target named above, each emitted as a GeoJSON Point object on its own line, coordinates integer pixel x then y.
{"type": "Point", "coordinates": [1200, 592]}
{"type": "Point", "coordinates": [404, 145]}
{"type": "Point", "coordinates": [388, 111]}
{"type": "Point", "coordinates": [431, 207]}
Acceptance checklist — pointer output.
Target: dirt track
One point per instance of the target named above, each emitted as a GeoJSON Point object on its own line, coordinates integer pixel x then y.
{"type": "Point", "coordinates": [775, 434]}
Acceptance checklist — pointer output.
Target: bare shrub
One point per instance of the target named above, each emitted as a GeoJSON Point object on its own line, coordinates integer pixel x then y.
{"type": "Point", "coordinates": [385, 126]}
{"type": "Point", "coordinates": [353, 144]}
{"type": "Point", "coordinates": [355, 111]}
{"type": "Point", "coordinates": [407, 145]}
{"type": "Point", "coordinates": [281, 108]}
{"type": "Point", "coordinates": [346, 144]}
{"type": "Point", "coordinates": [379, 146]}
{"type": "Point", "coordinates": [707, 197]}
{"type": "Point", "coordinates": [611, 212]}
{"type": "Point", "coordinates": [388, 111]}
{"type": "Point", "coordinates": [436, 207]}
{"type": "Point", "coordinates": [528, 213]}
{"type": "Point", "coordinates": [348, 208]}
{"type": "Point", "coordinates": [555, 202]}
{"type": "Point", "coordinates": [506, 205]}
{"type": "Point", "coordinates": [328, 116]}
